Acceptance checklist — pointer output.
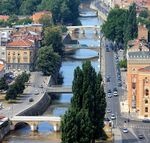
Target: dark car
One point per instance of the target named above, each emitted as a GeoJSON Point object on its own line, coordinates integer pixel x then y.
{"type": "Point", "coordinates": [107, 50]}
{"type": "Point", "coordinates": [119, 84]}
{"type": "Point", "coordinates": [141, 136]}
{"type": "Point", "coordinates": [107, 79]}
{"type": "Point", "coordinates": [31, 100]}
{"type": "Point", "coordinates": [109, 91]}
{"type": "Point", "coordinates": [115, 89]}
{"type": "Point", "coordinates": [146, 121]}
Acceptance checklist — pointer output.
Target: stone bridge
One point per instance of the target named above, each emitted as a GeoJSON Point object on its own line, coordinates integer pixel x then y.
{"type": "Point", "coordinates": [33, 121]}
{"type": "Point", "coordinates": [59, 89]}
{"type": "Point", "coordinates": [71, 48]}
{"type": "Point", "coordinates": [82, 28]}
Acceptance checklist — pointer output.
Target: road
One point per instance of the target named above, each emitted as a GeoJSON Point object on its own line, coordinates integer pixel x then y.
{"type": "Point", "coordinates": [135, 127]}
{"type": "Point", "coordinates": [36, 80]}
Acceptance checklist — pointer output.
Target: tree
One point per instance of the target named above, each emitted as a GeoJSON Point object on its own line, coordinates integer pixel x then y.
{"type": "Point", "coordinates": [46, 20]}
{"type": "Point", "coordinates": [52, 36]}
{"type": "Point", "coordinates": [3, 84]}
{"type": "Point", "coordinates": [11, 92]}
{"type": "Point", "coordinates": [144, 14]}
{"type": "Point", "coordinates": [88, 106]}
{"type": "Point", "coordinates": [113, 28]}
{"type": "Point", "coordinates": [48, 61]}
{"type": "Point", "coordinates": [130, 28]}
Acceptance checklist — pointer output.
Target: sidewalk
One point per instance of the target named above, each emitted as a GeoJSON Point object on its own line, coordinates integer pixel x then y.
{"type": "Point", "coordinates": [117, 135]}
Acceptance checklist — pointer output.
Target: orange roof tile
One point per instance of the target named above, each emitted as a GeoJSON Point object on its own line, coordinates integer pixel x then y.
{"type": "Point", "coordinates": [4, 17]}
{"type": "Point", "coordinates": [20, 43]}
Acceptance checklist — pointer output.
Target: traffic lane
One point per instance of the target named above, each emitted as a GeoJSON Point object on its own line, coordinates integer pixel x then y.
{"type": "Point", "coordinates": [145, 133]}
{"type": "Point", "coordinates": [129, 137]}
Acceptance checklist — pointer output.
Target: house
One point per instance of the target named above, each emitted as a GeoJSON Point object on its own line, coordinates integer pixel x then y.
{"type": "Point", "coordinates": [2, 71]}
{"type": "Point", "coordinates": [38, 15]}
{"type": "Point", "coordinates": [4, 17]}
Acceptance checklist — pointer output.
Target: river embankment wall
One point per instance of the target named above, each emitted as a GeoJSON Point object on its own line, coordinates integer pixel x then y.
{"type": "Point", "coordinates": [100, 13]}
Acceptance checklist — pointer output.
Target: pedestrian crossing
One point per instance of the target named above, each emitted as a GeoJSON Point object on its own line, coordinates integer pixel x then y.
{"type": "Point", "coordinates": [134, 126]}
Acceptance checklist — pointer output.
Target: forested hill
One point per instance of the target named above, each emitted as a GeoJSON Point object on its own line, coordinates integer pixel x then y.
{"type": "Point", "coordinates": [62, 10]}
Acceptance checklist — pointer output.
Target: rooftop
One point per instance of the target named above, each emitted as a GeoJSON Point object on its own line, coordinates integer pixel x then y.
{"type": "Point", "coordinates": [1, 67]}
{"type": "Point", "coordinates": [139, 55]}
{"type": "Point", "coordinates": [20, 43]}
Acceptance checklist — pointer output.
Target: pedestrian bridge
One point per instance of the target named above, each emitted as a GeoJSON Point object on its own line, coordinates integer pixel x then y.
{"type": "Point", "coordinates": [59, 89]}
{"type": "Point", "coordinates": [33, 121]}
{"type": "Point", "coordinates": [82, 28]}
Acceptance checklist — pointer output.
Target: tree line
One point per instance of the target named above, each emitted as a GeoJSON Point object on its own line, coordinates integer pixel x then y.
{"type": "Point", "coordinates": [83, 122]}
{"type": "Point", "coordinates": [63, 11]}
{"type": "Point", "coordinates": [121, 25]}
{"type": "Point", "coordinates": [17, 88]}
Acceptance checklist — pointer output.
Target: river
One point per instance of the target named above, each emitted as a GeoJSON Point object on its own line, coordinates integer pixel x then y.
{"type": "Point", "coordinates": [45, 132]}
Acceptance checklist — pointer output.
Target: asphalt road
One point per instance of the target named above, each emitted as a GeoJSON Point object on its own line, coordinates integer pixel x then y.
{"type": "Point", "coordinates": [135, 127]}
{"type": "Point", "coordinates": [36, 80]}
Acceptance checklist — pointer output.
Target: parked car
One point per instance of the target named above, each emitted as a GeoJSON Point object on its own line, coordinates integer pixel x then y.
{"type": "Point", "coordinates": [115, 93]}
{"type": "Point", "coordinates": [108, 110]}
{"type": "Point", "coordinates": [146, 120]}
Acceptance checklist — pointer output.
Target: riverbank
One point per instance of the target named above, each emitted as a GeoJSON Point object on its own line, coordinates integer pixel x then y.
{"type": "Point", "coordinates": [101, 14]}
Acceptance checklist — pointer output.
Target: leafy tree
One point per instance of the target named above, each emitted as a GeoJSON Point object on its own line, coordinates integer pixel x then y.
{"type": "Point", "coordinates": [144, 14]}
{"type": "Point", "coordinates": [113, 28]}
{"type": "Point", "coordinates": [46, 20]}
{"type": "Point", "coordinates": [131, 24]}
{"type": "Point", "coordinates": [123, 63]}
{"type": "Point", "coordinates": [24, 21]}
{"type": "Point", "coordinates": [88, 105]}
{"type": "Point", "coordinates": [48, 61]}
{"type": "Point", "coordinates": [11, 92]}
{"type": "Point", "coordinates": [3, 84]}
{"type": "Point", "coordinates": [52, 36]}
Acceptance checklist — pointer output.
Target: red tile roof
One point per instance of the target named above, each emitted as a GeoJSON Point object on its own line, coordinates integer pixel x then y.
{"type": "Point", "coordinates": [20, 43]}
{"type": "Point", "coordinates": [1, 67]}
{"type": "Point", "coordinates": [4, 17]}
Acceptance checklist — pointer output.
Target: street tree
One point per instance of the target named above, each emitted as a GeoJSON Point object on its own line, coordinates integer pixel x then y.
{"type": "Point", "coordinates": [52, 36]}
{"type": "Point", "coordinates": [48, 61]}
{"type": "Point", "coordinates": [3, 84]}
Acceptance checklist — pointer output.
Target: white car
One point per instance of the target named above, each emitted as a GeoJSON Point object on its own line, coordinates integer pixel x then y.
{"type": "Point", "coordinates": [109, 95]}
{"type": "Point", "coordinates": [113, 117]}
{"type": "Point", "coordinates": [125, 130]}
{"type": "Point", "coordinates": [115, 93]}
{"type": "Point", "coordinates": [108, 110]}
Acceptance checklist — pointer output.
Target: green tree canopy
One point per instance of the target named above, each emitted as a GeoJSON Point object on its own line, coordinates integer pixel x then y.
{"type": "Point", "coordinates": [52, 36]}
{"type": "Point", "coordinates": [48, 61]}
{"type": "Point", "coordinates": [83, 123]}
{"type": "Point", "coordinates": [3, 84]}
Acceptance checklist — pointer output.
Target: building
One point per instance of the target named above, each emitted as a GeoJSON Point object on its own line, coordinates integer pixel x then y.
{"type": "Point", "coordinates": [3, 53]}
{"type": "Point", "coordinates": [4, 17]}
{"type": "Point", "coordinates": [38, 15]}
{"type": "Point", "coordinates": [20, 55]}
{"type": "Point", "coordinates": [2, 71]}
{"type": "Point", "coordinates": [138, 74]}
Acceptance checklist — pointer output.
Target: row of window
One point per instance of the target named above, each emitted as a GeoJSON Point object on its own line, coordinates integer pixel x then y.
{"type": "Point", "coordinates": [17, 60]}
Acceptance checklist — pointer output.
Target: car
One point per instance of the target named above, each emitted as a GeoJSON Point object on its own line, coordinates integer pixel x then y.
{"type": "Point", "coordinates": [115, 89]}
{"type": "Point", "coordinates": [113, 117]}
{"type": "Point", "coordinates": [109, 95]}
{"type": "Point", "coordinates": [109, 91]}
{"type": "Point", "coordinates": [37, 93]}
{"type": "Point", "coordinates": [146, 120]}
{"type": "Point", "coordinates": [115, 93]}
{"type": "Point", "coordinates": [119, 84]}
{"type": "Point", "coordinates": [125, 130]}
{"type": "Point", "coordinates": [107, 50]}
{"type": "Point", "coordinates": [107, 79]}
{"type": "Point", "coordinates": [140, 136]}
{"type": "Point", "coordinates": [31, 100]}
{"type": "Point", "coordinates": [107, 119]}
{"type": "Point", "coordinates": [108, 110]}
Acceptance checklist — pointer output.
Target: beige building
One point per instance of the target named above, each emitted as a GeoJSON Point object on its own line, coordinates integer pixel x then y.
{"type": "Point", "coordinates": [138, 74]}
{"type": "Point", "coordinates": [20, 55]}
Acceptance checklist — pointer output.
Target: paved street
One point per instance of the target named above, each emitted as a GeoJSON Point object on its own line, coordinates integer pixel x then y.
{"type": "Point", "coordinates": [36, 80]}
{"type": "Point", "coordinates": [135, 127]}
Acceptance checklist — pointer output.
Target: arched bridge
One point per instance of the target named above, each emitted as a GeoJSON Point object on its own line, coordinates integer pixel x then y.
{"type": "Point", "coordinates": [33, 121]}
{"type": "Point", "coordinates": [74, 47]}
{"type": "Point", "coordinates": [82, 28]}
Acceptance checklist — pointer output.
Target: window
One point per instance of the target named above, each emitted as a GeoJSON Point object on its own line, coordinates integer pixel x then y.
{"type": "Point", "coordinates": [146, 92]}
{"type": "Point", "coordinates": [146, 80]}
{"type": "Point", "coordinates": [133, 85]}
{"type": "Point", "coordinates": [146, 101]}
{"type": "Point", "coordinates": [146, 109]}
